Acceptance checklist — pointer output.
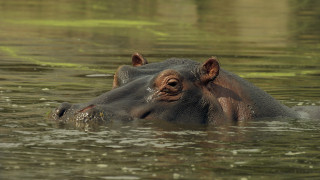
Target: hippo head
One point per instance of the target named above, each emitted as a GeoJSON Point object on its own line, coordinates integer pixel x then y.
{"type": "Point", "coordinates": [173, 90]}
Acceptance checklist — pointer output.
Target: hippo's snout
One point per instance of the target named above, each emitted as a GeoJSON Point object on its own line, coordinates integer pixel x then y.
{"type": "Point", "coordinates": [66, 107]}
{"type": "Point", "coordinates": [66, 111]}
{"type": "Point", "coordinates": [86, 114]}
{"type": "Point", "coordinates": [61, 110]}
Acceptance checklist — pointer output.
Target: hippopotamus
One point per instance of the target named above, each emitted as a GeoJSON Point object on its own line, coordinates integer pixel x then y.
{"type": "Point", "coordinates": [176, 90]}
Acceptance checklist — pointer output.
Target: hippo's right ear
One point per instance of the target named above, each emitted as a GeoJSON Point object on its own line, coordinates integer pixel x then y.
{"type": "Point", "coordinates": [209, 70]}
{"type": "Point", "coordinates": [138, 60]}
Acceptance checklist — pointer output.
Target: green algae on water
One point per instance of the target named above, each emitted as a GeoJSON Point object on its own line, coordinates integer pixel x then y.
{"type": "Point", "coordinates": [13, 53]}
{"type": "Point", "coordinates": [87, 23]}
{"type": "Point", "coordinates": [141, 25]}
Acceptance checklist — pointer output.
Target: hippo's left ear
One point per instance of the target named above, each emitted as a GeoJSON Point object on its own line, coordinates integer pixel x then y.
{"type": "Point", "coordinates": [138, 60]}
{"type": "Point", "coordinates": [210, 70]}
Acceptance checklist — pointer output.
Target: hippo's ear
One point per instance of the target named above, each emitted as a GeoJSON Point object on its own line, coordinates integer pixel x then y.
{"type": "Point", "coordinates": [210, 70]}
{"type": "Point", "coordinates": [138, 60]}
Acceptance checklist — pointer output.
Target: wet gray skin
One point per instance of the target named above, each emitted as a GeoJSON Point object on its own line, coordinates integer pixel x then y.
{"type": "Point", "coordinates": [136, 94]}
{"type": "Point", "coordinates": [178, 90]}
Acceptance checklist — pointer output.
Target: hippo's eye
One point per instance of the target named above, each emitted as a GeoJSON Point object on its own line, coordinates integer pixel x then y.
{"type": "Point", "coordinates": [169, 85]}
{"type": "Point", "coordinates": [172, 85]}
{"type": "Point", "coordinates": [172, 82]}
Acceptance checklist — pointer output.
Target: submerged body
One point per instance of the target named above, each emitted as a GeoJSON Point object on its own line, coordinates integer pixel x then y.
{"type": "Point", "coordinates": [179, 90]}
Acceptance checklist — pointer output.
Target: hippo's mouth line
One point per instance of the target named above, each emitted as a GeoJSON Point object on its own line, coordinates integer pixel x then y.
{"type": "Point", "coordinates": [87, 108]}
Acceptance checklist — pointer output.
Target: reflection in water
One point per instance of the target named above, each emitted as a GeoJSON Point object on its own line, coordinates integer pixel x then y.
{"type": "Point", "coordinates": [262, 24]}
{"type": "Point", "coordinates": [145, 149]}
{"type": "Point", "coordinates": [52, 51]}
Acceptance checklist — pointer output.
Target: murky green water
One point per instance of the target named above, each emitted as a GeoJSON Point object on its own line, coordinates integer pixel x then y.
{"type": "Point", "coordinates": [67, 50]}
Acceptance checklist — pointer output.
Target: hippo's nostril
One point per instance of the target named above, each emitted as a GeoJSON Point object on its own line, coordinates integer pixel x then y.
{"type": "Point", "coordinates": [62, 109]}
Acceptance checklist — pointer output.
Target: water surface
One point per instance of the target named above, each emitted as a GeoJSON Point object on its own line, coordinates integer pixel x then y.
{"type": "Point", "coordinates": [51, 52]}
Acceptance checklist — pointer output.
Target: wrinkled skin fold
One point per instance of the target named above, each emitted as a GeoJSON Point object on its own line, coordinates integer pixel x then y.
{"type": "Point", "coordinates": [177, 90]}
